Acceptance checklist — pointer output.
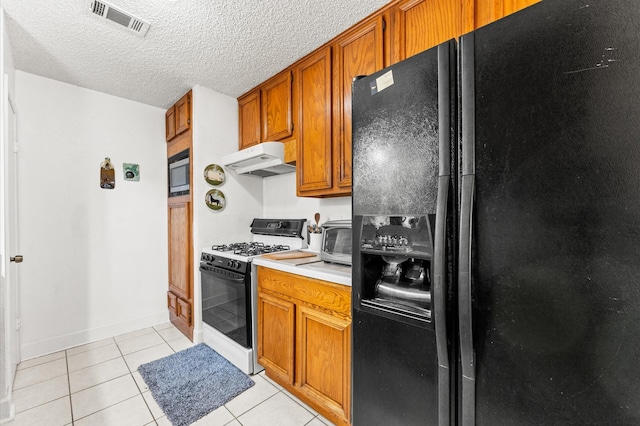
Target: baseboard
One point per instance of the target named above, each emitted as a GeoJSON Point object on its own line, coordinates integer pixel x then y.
{"type": "Point", "coordinates": [58, 343]}
{"type": "Point", "coordinates": [6, 409]}
{"type": "Point", "coordinates": [197, 335]}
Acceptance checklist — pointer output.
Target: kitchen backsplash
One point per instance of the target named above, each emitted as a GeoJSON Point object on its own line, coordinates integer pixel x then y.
{"type": "Point", "coordinates": [280, 201]}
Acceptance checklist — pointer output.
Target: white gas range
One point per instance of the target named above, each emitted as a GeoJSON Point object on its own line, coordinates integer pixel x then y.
{"type": "Point", "coordinates": [229, 290]}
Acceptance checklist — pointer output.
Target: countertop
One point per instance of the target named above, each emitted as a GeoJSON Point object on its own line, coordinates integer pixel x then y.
{"type": "Point", "coordinates": [311, 267]}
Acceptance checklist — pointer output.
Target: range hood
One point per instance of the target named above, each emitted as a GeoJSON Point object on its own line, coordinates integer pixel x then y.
{"type": "Point", "coordinates": [264, 159]}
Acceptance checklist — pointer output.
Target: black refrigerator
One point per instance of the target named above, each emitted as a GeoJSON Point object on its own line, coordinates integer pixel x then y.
{"type": "Point", "coordinates": [496, 225]}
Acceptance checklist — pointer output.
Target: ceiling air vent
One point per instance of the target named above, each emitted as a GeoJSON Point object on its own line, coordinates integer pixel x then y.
{"type": "Point", "coordinates": [111, 13]}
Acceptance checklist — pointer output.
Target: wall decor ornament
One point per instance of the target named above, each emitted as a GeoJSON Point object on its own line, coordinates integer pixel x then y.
{"type": "Point", "coordinates": [214, 175]}
{"type": "Point", "coordinates": [131, 172]}
{"type": "Point", "coordinates": [215, 200]}
{"type": "Point", "coordinates": [107, 174]}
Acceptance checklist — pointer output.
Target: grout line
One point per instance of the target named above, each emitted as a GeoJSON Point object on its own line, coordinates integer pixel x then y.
{"type": "Point", "coordinates": [40, 379]}
{"type": "Point", "coordinates": [66, 360]}
{"type": "Point", "coordinates": [90, 349]}
{"type": "Point", "coordinates": [136, 382]}
{"type": "Point", "coordinates": [112, 405]}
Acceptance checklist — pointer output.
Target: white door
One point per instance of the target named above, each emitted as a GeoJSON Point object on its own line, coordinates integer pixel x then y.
{"type": "Point", "coordinates": [9, 227]}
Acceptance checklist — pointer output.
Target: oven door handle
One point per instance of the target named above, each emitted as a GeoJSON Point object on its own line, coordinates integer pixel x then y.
{"type": "Point", "coordinates": [239, 279]}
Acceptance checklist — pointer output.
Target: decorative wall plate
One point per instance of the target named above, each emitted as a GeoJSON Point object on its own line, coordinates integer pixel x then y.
{"type": "Point", "coordinates": [214, 175]}
{"type": "Point", "coordinates": [215, 199]}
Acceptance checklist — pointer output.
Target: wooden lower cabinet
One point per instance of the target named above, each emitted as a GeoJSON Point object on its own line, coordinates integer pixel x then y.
{"type": "Point", "coordinates": [276, 325]}
{"type": "Point", "coordinates": [324, 359]}
{"type": "Point", "coordinates": [304, 339]}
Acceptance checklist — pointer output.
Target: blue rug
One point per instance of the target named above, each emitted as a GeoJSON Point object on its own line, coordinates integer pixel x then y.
{"type": "Point", "coordinates": [190, 384]}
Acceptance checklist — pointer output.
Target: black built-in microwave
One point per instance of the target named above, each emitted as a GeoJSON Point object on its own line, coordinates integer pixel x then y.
{"type": "Point", "coordinates": [179, 174]}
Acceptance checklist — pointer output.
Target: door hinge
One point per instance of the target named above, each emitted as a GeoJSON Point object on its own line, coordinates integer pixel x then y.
{"type": "Point", "coordinates": [15, 147]}
{"type": "Point", "coordinates": [18, 324]}
{"type": "Point", "coordinates": [384, 24]}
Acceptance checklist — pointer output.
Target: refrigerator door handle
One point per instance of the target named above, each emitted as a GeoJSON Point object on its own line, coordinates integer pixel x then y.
{"type": "Point", "coordinates": [445, 55]}
{"type": "Point", "coordinates": [467, 355]}
{"type": "Point", "coordinates": [439, 306]}
{"type": "Point", "coordinates": [465, 314]}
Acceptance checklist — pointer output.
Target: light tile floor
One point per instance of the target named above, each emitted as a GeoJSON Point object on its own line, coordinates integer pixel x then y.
{"type": "Point", "coordinates": [98, 385]}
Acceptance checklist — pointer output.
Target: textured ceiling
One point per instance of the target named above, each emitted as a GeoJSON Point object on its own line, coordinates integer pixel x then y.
{"type": "Point", "coordinates": [227, 46]}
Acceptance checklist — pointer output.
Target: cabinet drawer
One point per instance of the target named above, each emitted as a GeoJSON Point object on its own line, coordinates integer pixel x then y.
{"type": "Point", "coordinates": [324, 294]}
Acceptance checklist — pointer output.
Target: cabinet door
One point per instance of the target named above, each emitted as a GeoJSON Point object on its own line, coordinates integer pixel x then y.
{"type": "Point", "coordinates": [183, 114]}
{"type": "Point", "coordinates": [170, 123]}
{"type": "Point", "coordinates": [180, 249]}
{"type": "Point", "coordinates": [324, 359]}
{"type": "Point", "coordinates": [276, 328]}
{"type": "Point", "coordinates": [172, 302]}
{"type": "Point", "coordinates": [277, 121]}
{"type": "Point", "coordinates": [478, 13]}
{"type": "Point", "coordinates": [249, 119]}
{"type": "Point", "coordinates": [359, 52]}
{"type": "Point", "coordinates": [184, 311]}
{"type": "Point", "coordinates": [421, 24]}
{"type": "Point", "coordinates": [314, 161]}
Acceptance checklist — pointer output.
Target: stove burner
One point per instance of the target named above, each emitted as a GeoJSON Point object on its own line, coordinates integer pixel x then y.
{"type": "Point", "coordinates": [250, 249]}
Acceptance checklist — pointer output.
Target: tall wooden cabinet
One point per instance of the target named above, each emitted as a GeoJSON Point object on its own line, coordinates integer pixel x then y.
{"type": "Point", "coordinates": [179, 214]}
{"type": "Point", "coordinates": [304, 339]}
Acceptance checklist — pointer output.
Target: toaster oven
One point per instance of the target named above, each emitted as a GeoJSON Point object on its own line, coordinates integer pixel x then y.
{"type": "Point", "coordinates": [336, 242]}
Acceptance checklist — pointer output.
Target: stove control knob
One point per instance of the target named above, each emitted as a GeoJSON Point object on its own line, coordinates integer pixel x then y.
{"type": "Point", "coordinates": [230, 263]}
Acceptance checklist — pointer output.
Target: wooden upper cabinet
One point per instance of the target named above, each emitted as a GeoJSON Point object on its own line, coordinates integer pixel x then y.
{"type": "Point", "coordinates": [478, 13]}
{"type": "Point", "coordinates": [358, 52]}
{"type": "Point", "coordinates": [313, 87]}
{"type": "Point", "coordinates": [277, 121]}
{"type": "Point", "coordinates": [183, 114]}
{"type": "Point", "coordinates": [178, 117]}
{"type": "Point", "coordinates": [170, 122]}
{"type": "Point", "coordinates": [249, 119]}
{"type": "Point", "coordinates": [418, 25]}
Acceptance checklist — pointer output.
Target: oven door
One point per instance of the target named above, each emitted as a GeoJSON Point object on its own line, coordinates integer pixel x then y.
{"type": "Point", "coordinates": [226, 303]}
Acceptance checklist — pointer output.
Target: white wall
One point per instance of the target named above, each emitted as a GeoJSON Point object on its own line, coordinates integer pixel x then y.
{"type": "Point", "coordinates": [95, 259]}
{"type": "Point", "coordinates": [280, 201]}
{"type": "Point", "coordinates": [215, 134]}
